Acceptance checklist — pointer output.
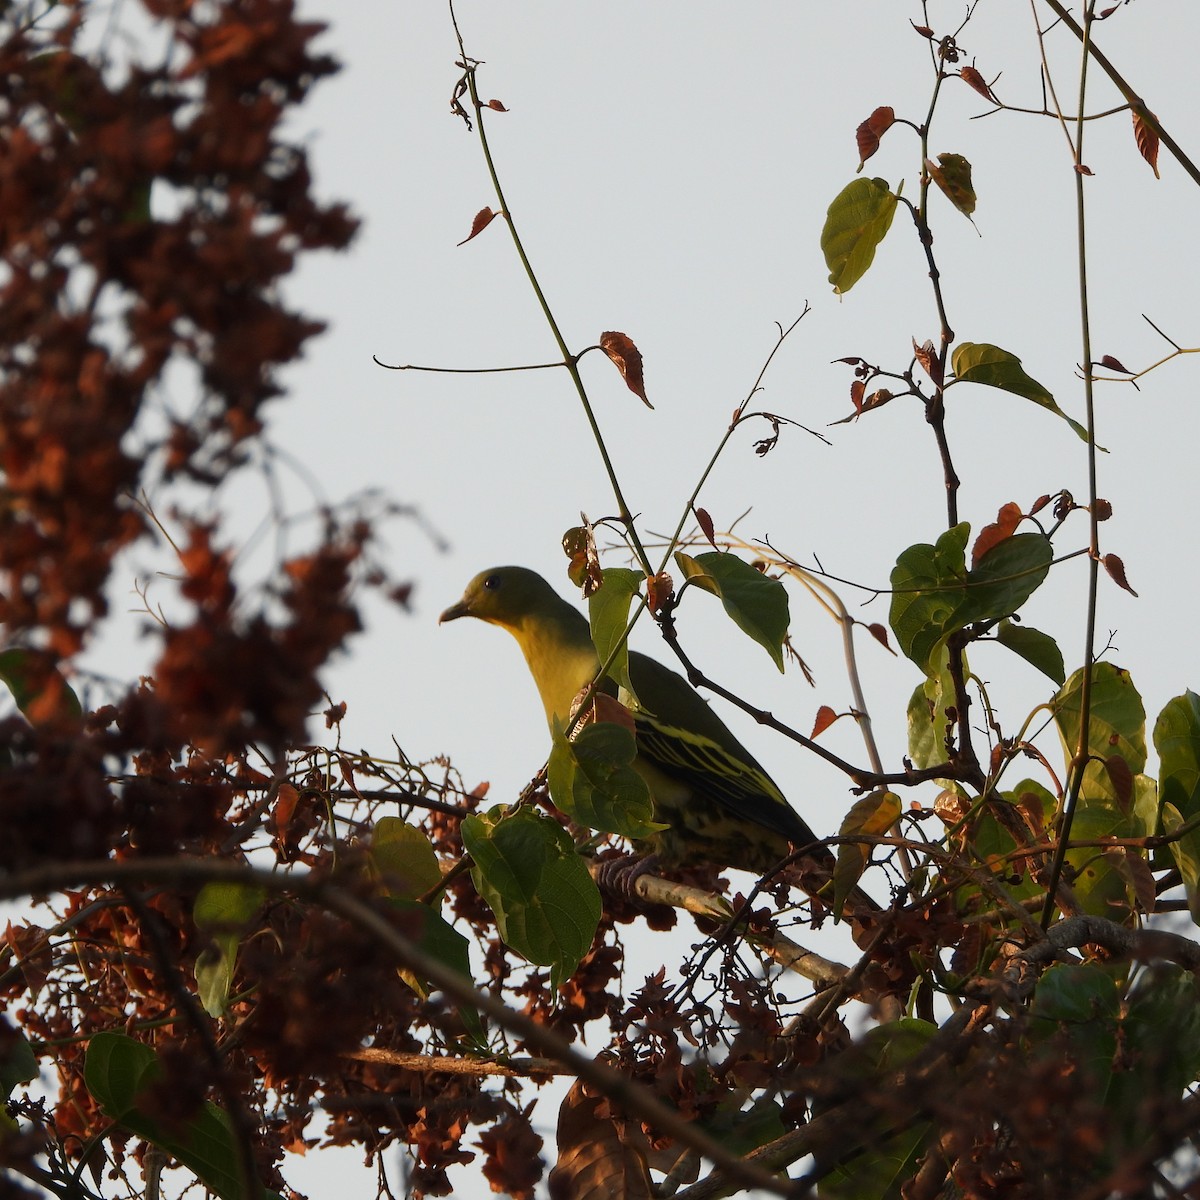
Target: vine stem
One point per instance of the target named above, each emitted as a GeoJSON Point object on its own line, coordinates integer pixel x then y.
{"type": "Point", "coordinates": [1080, 761]}
{"type": "Point", "coordinates": [569, 361]}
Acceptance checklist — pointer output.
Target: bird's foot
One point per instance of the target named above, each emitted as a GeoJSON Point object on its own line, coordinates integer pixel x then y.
{"type": "Point", "coordinates": [619, 876]}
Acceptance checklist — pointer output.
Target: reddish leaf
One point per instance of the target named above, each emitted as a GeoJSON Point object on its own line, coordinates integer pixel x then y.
{"type": "Point", "coordinates": [1115, 364]}
{"type": "Point", "coordinates": [1102, 509]}
{"type": "Point", "coordinates": [857, 390]}
{"type": "Point", "coordinates": [871, 130]}
{"type": "Point", "coordinates": [879, 633]}
{"type": "Point", "coordinates": [1039, 504]}
{"type": "Point", "coordinates": [1116, 570]}
{"type": "Point", "coordinates": [706, 526]}
{"type": "Point", "coordinates": [1121, 778]}
{"type": "Point", "coordinates": [1084, 169]}
{"type": "Point", "coordinates": [923, 30]}
{"type": "Point", "coordinates": [483, 218]}
{"type": "Point", "coordinates": [877, 399]}
{"type": "Point", "coordinates": [593, 1159]}
{"type": "Point", "coordinates": [927, 356]}
{"type": "Point", "coordinates": [496, 106]}
{"type": "Point", "coordinates": [286, 799]}
{"type": "Point", "coordinates": [1004, 526]}
{"type": "Point", "coordinates": [628, 358]}
{"type": "Point", "coordinates": [1147, 140]}
{"type": "Point", "coordinates": [658, 590]}
{"type": "Point", "coordinates": [972, 78]}
{"type": "Point", "coordinates": [825, 717]}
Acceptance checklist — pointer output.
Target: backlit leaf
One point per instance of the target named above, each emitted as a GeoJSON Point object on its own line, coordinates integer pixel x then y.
{"type": "Point", "coordinates": [857, 221]}
{"type": "Point", "coordinates": [628, 359]}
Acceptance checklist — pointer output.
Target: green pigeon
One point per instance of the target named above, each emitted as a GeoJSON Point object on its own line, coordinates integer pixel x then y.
{"type": "Point", "coordinates": [719, 805]}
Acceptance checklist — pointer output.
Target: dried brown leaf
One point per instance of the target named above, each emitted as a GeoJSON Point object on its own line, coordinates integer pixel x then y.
{"type": "Point", "coordinates": [1116, 571]}
{"type": "Point", "coordinates": [1135, 871]}
{"type": "Point", "coordinates": [579, 544]}
{"type": "Point", "coordinates": [857, 391]}
{"type": "Point", "coordinates": [496, 106]}
{"type": "Point", "coordinates": [1102, 509]}
{"type": "Point", "coordinates": [1004, 526]}
{"type": "Point", "coordinates": [594, 1163]}
{"type": "Point", "coordinates": [483, 218]}
{"type": "Point", "coordinates": [1115, 364]}
{"type": "Point", "coordinates": [628, 358]}
{"type": "Point", "coordinates": [927, 356]}
{"type": "Point", "coordinates": [923, 30]}
{"type": "Point", "coordinates": [706, 526]}
{"type": "Point", "coordinates": [659, 589]}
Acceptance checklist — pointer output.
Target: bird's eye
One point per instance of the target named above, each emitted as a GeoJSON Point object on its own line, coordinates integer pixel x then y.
{"type": "Point", "coordinates": [492, 582]}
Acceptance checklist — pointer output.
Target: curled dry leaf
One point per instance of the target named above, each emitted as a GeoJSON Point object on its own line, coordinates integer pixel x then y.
{"type": "Point", "coordinates": [825, 717]}
{"type": "Point", "coordinates": [871, 130]}
{"type": "Point", "coordinates": [952, 173]}
{"type": "Point", "coordinates": [593, 1159]}
{"type": "Point", "coordinates": [628, 358]}
{"type": "Point", "coordinates": [1004, 526]}
{"type": "Point", "coordinates": [483, 218]}
{"type": "Point", "coordinates": [1147, 139]}
{"type": "Point", "coordinates": [1116, 570]}
{"type": "Point", "coordinates": [927, 356]}
{"type": "Point", "coordinates": [496, 106]}
{"type": "Point", "coordinates": [584, 571]}
{"type": "Point", "coordinates": [972, 78]}
{"type": "Point", "coordinates": [659, 589]}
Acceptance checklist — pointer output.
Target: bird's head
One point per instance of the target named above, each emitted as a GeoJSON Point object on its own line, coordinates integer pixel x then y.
{"type": "Point", "coordinates": [505, 596]}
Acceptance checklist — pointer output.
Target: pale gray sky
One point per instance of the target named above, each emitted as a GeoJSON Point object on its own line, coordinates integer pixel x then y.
{"type": "Point", "coordinates": [669, 166]}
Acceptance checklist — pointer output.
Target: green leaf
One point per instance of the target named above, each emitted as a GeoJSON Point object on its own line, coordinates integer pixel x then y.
{"type": "Point", "coordinates": [19, 1065]}
{"type": "Point", "coordinates": [39, 688]}
{"type": "Point", "coordinates": [593, 781]}
{"type": "Point", "coordinates": [1177, 740]}
{"type": "Point", "coordinates": [1117, 726]}
{"type": "Point", "coordinates": [934, 595]}
{"type": "Point", "coordinates": [928, 589]}
{"type": "Point", "coordinates": [117, 1070]}
{"type": "Point", "coordinates": [546, 904]}
{"type": "Point", "coordinates": [757, 603]}
{"type": "Point", "coordinates": [222, 910]}
{"type": "Point", "coordinates": [857, 221]}
{"type": "Point", "coordinates": [1074, 1016]}
{"type": "Point", "coordinates": [608, 612]}
{"type": "Point", "coordinates": [1185, 850]}
{"type": "Point", "coordinates": [928, 720]}
{"type": "Point", "coordinates": [430, 932]}
{"type": "Point", "coordinates": [403, 859]}
{"type": "Point", "coordinates": [1035, 647]}
{"type": "Point", "coordinates": [981, 362]}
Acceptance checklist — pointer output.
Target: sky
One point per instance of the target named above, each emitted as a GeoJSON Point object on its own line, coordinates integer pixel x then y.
{"type": "Point", "coordinates": [669, 167]}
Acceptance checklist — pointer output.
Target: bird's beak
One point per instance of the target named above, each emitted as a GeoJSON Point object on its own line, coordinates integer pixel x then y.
{"type": "Point", "coordinates": [454, 612]}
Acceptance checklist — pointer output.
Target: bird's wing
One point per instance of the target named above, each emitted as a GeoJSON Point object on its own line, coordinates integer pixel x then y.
{"type": "Point", "coordinates": [682, 737]}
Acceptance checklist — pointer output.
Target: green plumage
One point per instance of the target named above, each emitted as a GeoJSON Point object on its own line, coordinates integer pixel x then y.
{"type": "Point", "coordinates": [719, 804]}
